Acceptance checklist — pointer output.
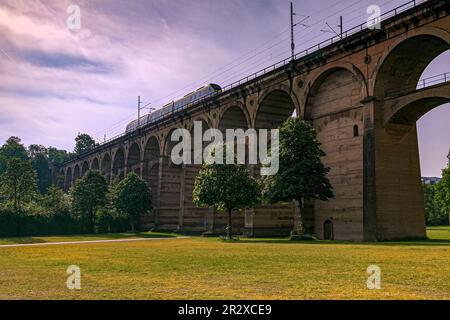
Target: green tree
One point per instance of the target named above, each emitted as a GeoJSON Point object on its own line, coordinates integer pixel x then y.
{"type": "Point", "coordinates": [84, 143]}
{"type": "Point", "coordinates": [133, 198]}
{"type": "Point", "coordinates": [226, 187]}
{"type": "Point", "coordinates": [442, 196]}
{"type": "Point", "coordinates": [57, 157]}
{"type": "Point", "coordinates": [433, 213]}
{"type": "Point", "coordinates": [41, 165]}
{"type": "Point", "coordinates": [18, 182]}
{"type": "Point", "coordinates": [301, 176]}
{"type": "Point", "coordinates": [56, 202]}
{"type": "Point", "coordinates": [13, 148]}
{"type": "Point", "coordinates": [89, 194]}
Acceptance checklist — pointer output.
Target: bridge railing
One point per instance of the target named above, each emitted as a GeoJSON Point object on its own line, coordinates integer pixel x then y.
{"type": "Point", "coordinates": [423, 83]}
{"type": "Point", "coordinates": [325, 43]}
{"type": "Point", "coordinates": [286, 61]}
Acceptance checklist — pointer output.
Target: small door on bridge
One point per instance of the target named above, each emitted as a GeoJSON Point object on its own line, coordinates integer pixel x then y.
{"type": "Point", "coordinates": [328, 230]}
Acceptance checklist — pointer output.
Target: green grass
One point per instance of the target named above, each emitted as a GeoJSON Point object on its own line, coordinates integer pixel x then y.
{"type": "Point", "coordinates": [204, 268]}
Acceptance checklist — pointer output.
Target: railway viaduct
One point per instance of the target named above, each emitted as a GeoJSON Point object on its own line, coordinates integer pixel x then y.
{"type": "Point", "coordinates": [362, 93]}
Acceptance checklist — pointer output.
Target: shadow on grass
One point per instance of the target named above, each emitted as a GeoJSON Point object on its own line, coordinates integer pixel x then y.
{"type": "Point", "coordinates": [437, 236]}
{"type": "Point", "coordinates": [429, 242]}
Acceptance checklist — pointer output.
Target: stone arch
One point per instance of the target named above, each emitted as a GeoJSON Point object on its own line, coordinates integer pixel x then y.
{"type": "Point", "coordinates": [338, 88]}
{"type": "Point", "coordinates": [170, 212]}
{"type": "Point", "coordinates": [76, 173]}
{"type": "Point", "coordinates": [274, 107]}
{"type": "Point", "coordinates": [407, 58]}
{"type": "Point", "coordinates": [105, 166]}
{"type": "Point", "coordinates": [204, 118]}
{"type": "Point", "coordinates": [119, 164]}
{"type": "Point", "coordinates": [95, 165]}
{"type": "Point", "coordinates": [152, 155]}
{"type": "Point", "coordinates": [333, 107]}
{"type": "Point", "coordinates": [276, 101]}
{"type": "Point", "coordinates": [409, 109]}
{"type": "Point", "coordinates": [84, 168]}
{"type": "Point", "coordinates": [134, 159]}
{"type": "Point", "coordinates": [233, 117]}
{"type": "Point", "coordinates": [68, 179]}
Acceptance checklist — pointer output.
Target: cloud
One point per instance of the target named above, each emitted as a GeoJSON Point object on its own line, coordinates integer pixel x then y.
{"type": "Point", "coordinates": [56, 82]}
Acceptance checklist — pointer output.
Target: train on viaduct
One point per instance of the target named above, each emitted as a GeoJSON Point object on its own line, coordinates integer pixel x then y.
{"type": "Point", "coordinates": [363, 93]}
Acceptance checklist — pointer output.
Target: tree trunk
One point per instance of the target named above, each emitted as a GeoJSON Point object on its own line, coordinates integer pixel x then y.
{"type": "Point", "coordinates": [229, 230]}
{"type": "Point", "coordinates": [132, 225]}
{"type": "Point", "coordinates": [299, 223]}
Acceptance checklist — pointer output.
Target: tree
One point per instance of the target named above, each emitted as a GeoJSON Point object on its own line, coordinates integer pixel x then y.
{"type": "Point", "coordinates": [89, 194]}
{"type": "Point", "coordinates": [133, 198]}
{"type": "Point", "coordinates": [84, 143]}
{"type": "Point", "coordinates": [13, 148]}
{"type": "Point", "coordinates": [18, 182]}
{"type": "Point", "coordinates": [433, 213]}
{"type": "Point", "coordinates": [57, 157]}
{"type": "Point", "coordinates": [226, 187]}
{"type": "Point", "coordinates": [41, 165]}
{"type": "Point", "coordinates": [301, 175]}
{"type": "Point", "coordinates": [442, 196]}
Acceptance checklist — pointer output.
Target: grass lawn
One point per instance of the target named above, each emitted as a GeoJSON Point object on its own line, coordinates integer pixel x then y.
{"type": "Point", "coordinates": [207, 268]}
{"type": "Point", "coordinates": [83, 237]}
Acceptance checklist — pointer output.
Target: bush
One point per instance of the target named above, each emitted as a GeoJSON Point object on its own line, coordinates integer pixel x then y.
{"type": "Point", "coordinates": [14, 225]}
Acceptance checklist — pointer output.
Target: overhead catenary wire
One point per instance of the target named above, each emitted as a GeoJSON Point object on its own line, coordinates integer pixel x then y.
{"type": "Point", "coordinates": [222, 75]}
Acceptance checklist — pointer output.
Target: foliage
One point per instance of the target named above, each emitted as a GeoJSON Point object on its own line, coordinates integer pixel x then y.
{"type": "Point", "coordinates": [133, 198]}
{"type": "Point", "coordinates": [301, 175]}
{"type": "Point", "coordinates": [89, 194]}
{"type": "Point", "coordinates": [57, 157]}
{"type": "Point", "coordinates": [84, 143]}
{"type": "Point", "coordinates": [226, 187]}
{"type": "Point", "coordinates": [442, 196]}
{"type": "Point", "coordinates": [433, 214]}
{"type": "Point", "coordinates": [18, 183]}
{"type": "Point", "coordinates": [41, 165]}
{"type": "Point", "coordinates": [13, 148]}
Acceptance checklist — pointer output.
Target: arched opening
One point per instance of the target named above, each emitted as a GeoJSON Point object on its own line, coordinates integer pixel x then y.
{"type": "Point", "coordinates": [134, 159]}
{"type": "Point", "coordinates": [151, 176]}
{"type": "Point", "coordinates": [170, 211]}
{"type": "Point", "coordinates": [409, 84]}
{"type": "Point", "coordinates": [406, 62]}
{"type": "Point", "coordinates": [68, 179]}
{"type": "Point", "coordinates": [328, 230]}
{"type": "Point", "coordinates": [333, 107]}
{"type": "Point", "coordinates": [95, 165]}
{"type": "Point", "coordinates": [274, 109]}
{"type": "Point", "coordinates": [106, 167]}
{"type": "Point", "coordinates": [84, 168]}
{"type": "Point", "coordinates": [119, 165]}
{"type": "Point", "coordinates": [194, 218]}
{"type": "Point", "coordinates": [233, 118]}
{"type": "Point", "coordinates": [76, 173]}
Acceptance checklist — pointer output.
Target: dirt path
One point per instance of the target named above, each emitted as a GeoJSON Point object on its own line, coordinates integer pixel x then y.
{"type": "Point", "coordinates": [85, 241]}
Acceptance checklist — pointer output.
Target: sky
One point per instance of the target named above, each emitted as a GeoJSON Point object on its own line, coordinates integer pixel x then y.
{"type": "Point", "coordinates": [56, 82]}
